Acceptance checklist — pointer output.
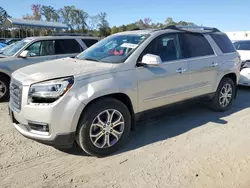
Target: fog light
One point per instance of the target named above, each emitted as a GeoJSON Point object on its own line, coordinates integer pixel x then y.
{"type": "Point", "coordinates": [39, 126]}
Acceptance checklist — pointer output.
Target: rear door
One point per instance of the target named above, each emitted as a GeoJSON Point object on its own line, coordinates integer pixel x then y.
{"type": "Point", "coordinates": [67, 48]}
{"type": "Point", "coordinates": [202, 63]}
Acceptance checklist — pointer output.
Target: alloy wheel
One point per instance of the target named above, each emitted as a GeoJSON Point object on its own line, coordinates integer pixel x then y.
{"type": "Point", "coordinates": [226, 95]}
{"type": "Point", "coordinates": [107, 128]}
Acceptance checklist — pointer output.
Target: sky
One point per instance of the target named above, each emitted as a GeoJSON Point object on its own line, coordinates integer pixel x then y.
{"type": "Point", "coordinates": [226, 15]}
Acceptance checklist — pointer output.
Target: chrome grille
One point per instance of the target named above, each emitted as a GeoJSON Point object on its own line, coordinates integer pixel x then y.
{"type": "Point", "coordinates": [15, 95]}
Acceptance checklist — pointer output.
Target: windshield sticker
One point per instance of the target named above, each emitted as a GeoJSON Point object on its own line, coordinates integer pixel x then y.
{"type": "Point", "coordinates": [129, 45]}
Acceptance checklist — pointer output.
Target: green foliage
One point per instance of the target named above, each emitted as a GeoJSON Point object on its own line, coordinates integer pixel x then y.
{"type": "Point", "coordinates": [50, 13]}
{"type": "Point", "coordinates": [3, 15]}
{"type": "Point", "coordinates": [79, 21]}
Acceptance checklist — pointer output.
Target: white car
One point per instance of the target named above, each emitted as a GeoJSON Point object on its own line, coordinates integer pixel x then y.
{"type": "Point", "coordinates": [95, 98]}
{"type": "Point", "coordinates": [36, 50]}
{"type": "Point", "coordinates": [243, 48]}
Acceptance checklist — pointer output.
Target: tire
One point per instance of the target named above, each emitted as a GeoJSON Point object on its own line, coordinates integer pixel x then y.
{"type": "Point", "coordinates": [89, 117]}
{"type": "Point", "coordinates": [216, 103]}
{"type": "Point", "coordinates": [4, 89]}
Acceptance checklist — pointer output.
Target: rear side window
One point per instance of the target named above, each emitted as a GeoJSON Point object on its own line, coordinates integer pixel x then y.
{"type": "Point", "coordinates": [195, 45]}
{"type": "Point", "coordinates": [89, 42]}
{"type": "Point", "coordinates": [242, 45]}
{"type": "Point", "coordinates": [67, 46]}
{"type": "Point", "coordinates": [223, 42]}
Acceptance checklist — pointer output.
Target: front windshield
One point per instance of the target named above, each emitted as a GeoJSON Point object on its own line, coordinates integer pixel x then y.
{"type": "Point", "coordinates": [15, 48]}
{"type": "Point", "coordinates": [113, 49]}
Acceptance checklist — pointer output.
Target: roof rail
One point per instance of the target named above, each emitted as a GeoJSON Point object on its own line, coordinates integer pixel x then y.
{"type": "Point", "coordinates": [71, 34]}
{"type": "Point", "coordinates": [187, 28]}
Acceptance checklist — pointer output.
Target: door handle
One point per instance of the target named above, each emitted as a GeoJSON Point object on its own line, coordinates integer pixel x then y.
{"type": "Point", "coordinates": [214, 64]}
{"type": "Point", "coordinates": [180, 70]}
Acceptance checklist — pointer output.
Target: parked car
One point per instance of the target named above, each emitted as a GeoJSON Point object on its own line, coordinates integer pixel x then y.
{"type": "Point", "coordinates": [38, 49]}
{"type": "Point", "coordinates": [6, 47]}
{"type": "Point", "coordinates": [2, 45]}
{"type": "Point", "coordinates": [12, 40]}
{"type": "Point", "coordinates": [95, 98]}
{"type": "Point", "coordinates": [2, 40]}
{"type": "Point", "coordinates": [243, 48]}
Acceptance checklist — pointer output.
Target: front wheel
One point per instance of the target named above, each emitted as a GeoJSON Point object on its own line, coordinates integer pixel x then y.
{"type": "Point", "coordinates": [224, 95]}
{"type": "Point", "coordinates": [104, 127]}
{"type": "Point", "coordinates": [4, 88]}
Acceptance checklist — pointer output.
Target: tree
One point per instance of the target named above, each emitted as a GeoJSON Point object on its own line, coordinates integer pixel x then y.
{"type": "Point", "coordinates": [103, 24]}
{"type": "Point", "coordinates": [66, 15]}
{"type": "Point", "coordinates": [114, 30]}
{"type": "Point", "coordinates": [145, 23]}
{"type": "Point", "coordinates": [50, 13]}
{"type": "Point", "coordinates": [170, 21]}
{"type": "Point", "coordinates": [74, 18]}
{"type": "Point", "coordinates": [3, 15]}
{"type": "Point", "coordinates": [37, 13]}
{"type": "Point", "coordinates": [93, 22]}
{"type": "Point", "coordinates": [79, 19]}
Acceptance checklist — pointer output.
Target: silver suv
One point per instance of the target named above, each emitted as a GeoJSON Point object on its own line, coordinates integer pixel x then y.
{"type": "Point", "coordinates": [94, 99]}
{"type": "Point", "coordinates": [38, 49]}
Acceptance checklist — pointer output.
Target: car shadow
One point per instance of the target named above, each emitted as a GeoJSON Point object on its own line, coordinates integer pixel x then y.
{"type": "Point", "coordinates": [179, 119]}
{"type": "Point", "coordinates": [175, 120]}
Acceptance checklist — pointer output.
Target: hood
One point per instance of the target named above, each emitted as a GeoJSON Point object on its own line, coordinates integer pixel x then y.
{"type": "Point", "coordinates": [244, 54]}
{"type": "Point", "coordinates": [61, 68]}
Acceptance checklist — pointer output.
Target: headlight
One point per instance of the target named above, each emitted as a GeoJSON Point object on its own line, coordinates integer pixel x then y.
{"type": "Point", "coordinates": [49, 91]}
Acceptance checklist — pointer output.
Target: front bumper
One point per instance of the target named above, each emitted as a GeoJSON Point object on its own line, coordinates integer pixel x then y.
{"type": "Point", "coordinates": [61, 117]}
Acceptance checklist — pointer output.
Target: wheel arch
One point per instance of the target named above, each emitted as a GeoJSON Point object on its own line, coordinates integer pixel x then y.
{"type": "Point", "coordinates": [122, 97]}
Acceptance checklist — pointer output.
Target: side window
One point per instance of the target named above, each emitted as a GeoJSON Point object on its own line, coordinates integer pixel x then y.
{"type": "Point", "coordinates": [34, 49]}
{"type": "Point", "coordinates": [236, 45]}
{"type": "Point", "coordinates": [89, 42]}
{"type": "Point", "coordinates": [223, 42]}
{"type": "Point", "coordinates": [67, 46]}
{"type": "Point", "coordinates": [166, 46]}
{"type": "Point", "coordinates": [195, 45]}
{"type": "Point", "coordinates": [41, 48]}
{"type": "Point", "coordinates": [242, 46]}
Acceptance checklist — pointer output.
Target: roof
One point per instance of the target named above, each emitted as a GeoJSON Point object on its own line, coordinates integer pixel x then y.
{"type": "Point", "coordinates": [137, 32]}
{"type": "Point", "coordinates": [61, 37]}
{"type": "Point", "coordinates": [194, 29]}
{"type": "Point", "coordinates": [11, 22]}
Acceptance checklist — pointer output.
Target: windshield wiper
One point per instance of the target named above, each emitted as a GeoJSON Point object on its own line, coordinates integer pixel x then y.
{"type": "Point", "coordinates": [90, 59]}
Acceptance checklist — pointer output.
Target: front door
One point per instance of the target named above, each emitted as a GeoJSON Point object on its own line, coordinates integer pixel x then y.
{"type": "Point", "coordinates": [168, 82]}
{"type": "Point", "coordinates": [39, 51]}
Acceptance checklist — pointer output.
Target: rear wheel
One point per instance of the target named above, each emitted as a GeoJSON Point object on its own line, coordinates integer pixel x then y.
{"type": "Point", "coordinates": [104, 127]}
{"type": "Point", "coordinates": [224, 95]}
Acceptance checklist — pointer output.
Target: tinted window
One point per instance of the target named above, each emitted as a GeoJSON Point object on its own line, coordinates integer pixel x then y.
{"type": "Point", "coordinates": [89, 42]}
{"type": "Point", "coordinates": [67, 46]}
{"type": "Point", "coordinates": [195, 45]}
{"type": "Point", "coordinates": [242, 45]}
{"type": "Point", "coordinates": [223, 42]}
{"type": "Point", "coordinates": [41, 48]}
{"type": "Point", "coordinates": [167, 47]}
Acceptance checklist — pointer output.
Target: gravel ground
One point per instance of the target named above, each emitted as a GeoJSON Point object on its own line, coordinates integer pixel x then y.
{"type": "Point", "coordinates": [186, 146]}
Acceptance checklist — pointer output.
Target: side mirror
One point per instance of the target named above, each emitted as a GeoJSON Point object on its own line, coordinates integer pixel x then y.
{"type": "Point", "coordinates": [24, 54]}
{"type": "Point", "coordinates": [151, 60]}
